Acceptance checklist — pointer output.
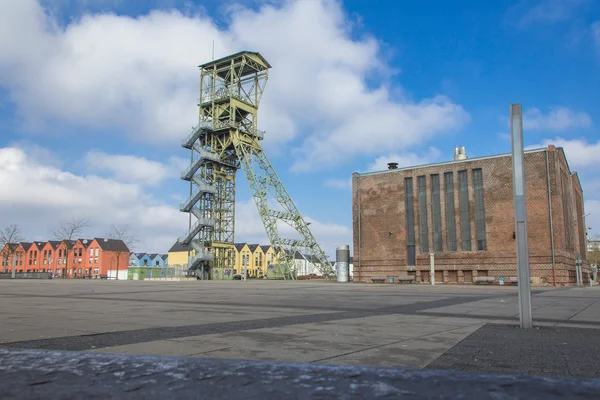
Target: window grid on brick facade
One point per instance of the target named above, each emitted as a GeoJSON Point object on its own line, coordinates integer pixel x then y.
{"type": "Point", "coordinates": [480, 233]}
{"type": "Point", "coordinates": [410, 221]}
{"type": "Point", "coordinates": [450, 221]}
{"type": "Point", "coordinates": [436, 213]}
{"type": "Point", "coordinates": [465, 215]}
{"type": "Point", "coordinates": [423, 222]}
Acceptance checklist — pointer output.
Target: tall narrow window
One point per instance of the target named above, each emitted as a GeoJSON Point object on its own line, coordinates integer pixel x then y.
{"type": "Point", "coordinates": [436, 212]}
{"type": "Point", "coordinates": [566, 211]}
{"type": "Point", "coordinates": [479, 210]}
{"type": "Point", "coordinates": [465, 215]}
{"type": "Point", "coordinates": [410, 221]}
{"type": "Point", "coordinates": [450, 221]}
{"type": "Point", "coordinates": [423, 223]}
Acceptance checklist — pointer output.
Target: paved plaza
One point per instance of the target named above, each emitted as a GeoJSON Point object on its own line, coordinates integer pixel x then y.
{"type": "Point", "coordinates": [387, 325]}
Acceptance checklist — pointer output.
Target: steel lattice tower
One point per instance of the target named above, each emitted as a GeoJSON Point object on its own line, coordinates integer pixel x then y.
{"type": "Point", "coordinates": [225, 139]}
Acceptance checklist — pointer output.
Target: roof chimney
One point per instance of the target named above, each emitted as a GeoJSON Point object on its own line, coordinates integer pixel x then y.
{"type": "Point", "coordinates": [460, 153]}
{"type": "Point", "coordinates": [392, 165]}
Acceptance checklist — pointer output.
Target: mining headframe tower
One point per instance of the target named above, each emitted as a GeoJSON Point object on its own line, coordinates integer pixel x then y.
{"type": "Point", "coordinates": [227, 138]}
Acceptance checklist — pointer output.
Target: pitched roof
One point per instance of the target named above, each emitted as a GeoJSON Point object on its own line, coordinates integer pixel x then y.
{"type": "Point", "coordinates": [239, 246]}
{"type": "Point", "coordinates": [26, 245]}
{"type": "Point", "coordinates": [54, 243]}
{"type": "Point", "coordinates": [86, 242]}
{"type": "Point", "coordinates": [265, 248]}
{"type": "Point", "coordinates": [139, 255]}
{"type": "Point", "coordinates": [39, 244]}
{"type": "Point", "coordinates": [164, 256]}
{"type": "Point", "coordinates": [12, 246]}
{"type": "Point", "coordinates": [71, 242]}
{"type": "Point", "coordinates": [179, 247]}
{"type": "Point", "coordinates": [253, 247]}
{"type": "Point", "coordinates": [153, 255]}
{"type": "Point", "coordinates": [112, 244]}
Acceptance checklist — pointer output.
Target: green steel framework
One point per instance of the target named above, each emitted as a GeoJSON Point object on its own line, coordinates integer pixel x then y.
{"type": "Point", "coordinates": [226, 139]}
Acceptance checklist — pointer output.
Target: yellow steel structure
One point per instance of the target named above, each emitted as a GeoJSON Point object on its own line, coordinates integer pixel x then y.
{"type": "Point", "coordinates": [225, 139]}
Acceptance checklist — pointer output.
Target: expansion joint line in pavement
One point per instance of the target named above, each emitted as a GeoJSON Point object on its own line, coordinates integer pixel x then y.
{"type": "Point", "coordinates": [120, 338]}
{"type": "Point", "coordinates": [391, 343]}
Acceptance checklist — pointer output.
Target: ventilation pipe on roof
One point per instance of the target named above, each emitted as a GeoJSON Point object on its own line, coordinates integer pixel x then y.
{"type": "Point", "coordinates": [460, 153]}
{"type": "Point", "coordinates": [393, 165]}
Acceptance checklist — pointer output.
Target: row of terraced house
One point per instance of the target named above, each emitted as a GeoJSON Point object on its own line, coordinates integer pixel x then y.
{"type": "Point", "coordinates": [66, 258]}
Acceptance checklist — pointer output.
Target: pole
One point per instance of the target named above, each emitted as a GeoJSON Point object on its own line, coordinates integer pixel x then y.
{"type": "Point", "coordinates": [14, 266]}
{"type": "Point", "coordinates": [432, 269]}
{"type": "Point", "coordinates": [516, 132]}
{"type": "Point", "coordinates": [578, 271]}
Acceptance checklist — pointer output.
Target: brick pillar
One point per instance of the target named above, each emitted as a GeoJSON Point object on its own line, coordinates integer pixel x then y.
{"type": "Point", "coordinates": [445, 276]}
{"type": "Point", "coordinates": [461, 277]}
{"type": "Point", "coordinates": [418, 276]}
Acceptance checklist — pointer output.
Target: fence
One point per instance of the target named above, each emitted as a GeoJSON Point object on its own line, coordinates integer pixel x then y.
{"type": "Point", "coordinates": [174, 271]}
{"type": "Point", "coordinates": [25, 275]}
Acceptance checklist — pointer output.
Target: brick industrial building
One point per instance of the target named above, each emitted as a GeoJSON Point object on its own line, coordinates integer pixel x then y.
{"type": "Point", "coordinates": [462, 211]}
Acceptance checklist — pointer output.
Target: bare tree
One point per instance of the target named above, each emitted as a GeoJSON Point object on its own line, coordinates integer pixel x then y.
{"type": "Point", "coordinates": [67, 232]}
{"type": "Point", "coordinates": [593, 254]}
{"type": "Point", "coordinates": [127, 235]}
{"type": "Point", "coordinates": [10, 235]}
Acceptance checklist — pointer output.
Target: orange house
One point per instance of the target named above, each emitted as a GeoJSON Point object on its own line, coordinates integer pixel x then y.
{"type": "Point", "coordinates": [21, 252]}
{"type": "Point", "coordinates": [48, 255]}
{"type": "Point", "coordinates": [7, 256]}
{"type": "Point", "coordinates": [85, 257]}
{"type": "Point", "coordinates": [102, 256]}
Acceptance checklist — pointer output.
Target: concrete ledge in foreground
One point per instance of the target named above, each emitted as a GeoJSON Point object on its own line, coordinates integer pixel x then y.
{"type": "Point", "coordinates": [28, 374]}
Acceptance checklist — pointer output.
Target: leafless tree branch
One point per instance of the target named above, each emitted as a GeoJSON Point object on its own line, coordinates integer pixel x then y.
{"type": "Point", "coordinates": [69, 229]}
{"type": "Point", "coordinates": [124, 233]}
{"type": "Point", "coordinates": [10, 234]}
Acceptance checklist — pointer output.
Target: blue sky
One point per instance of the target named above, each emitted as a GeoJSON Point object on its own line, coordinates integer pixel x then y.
{"type": "Point", "coordinates": [95, 96]}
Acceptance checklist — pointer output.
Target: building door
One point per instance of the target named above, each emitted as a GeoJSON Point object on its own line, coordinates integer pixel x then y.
{"type": "Point", "coordinates": [439, 276]}
{"type": "Point", "coordinates": [468, 276]}
{"type": "Point", "coordinates": [452, 277]}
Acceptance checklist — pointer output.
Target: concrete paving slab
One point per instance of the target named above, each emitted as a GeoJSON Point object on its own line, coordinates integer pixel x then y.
{"type": "Point", "coordinates": [285, 321]}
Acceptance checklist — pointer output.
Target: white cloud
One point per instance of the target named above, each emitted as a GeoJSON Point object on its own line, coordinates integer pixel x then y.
{"type": "Point", "coordinates": [593, 220]}
{"type": "Point", "coordinates": [405, 159]}
{"type": "Point", "coordinates": [549, 11]}
{"type": "Point", "coordinates": [138, 76]}
{"type": "Point", "coordinates": [127, 168]}
{"type": "Point", "coordinates": [338, 183]}
{"type": "Point", "coordinates": [557, 119]}
{"type": "Point", "coordinates": [579, 152]}
{"type": "Point", "coordinates": [35, 195]}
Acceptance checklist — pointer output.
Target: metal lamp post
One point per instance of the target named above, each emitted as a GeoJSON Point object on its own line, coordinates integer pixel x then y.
{"type": "Point", "coordinates": [516, 132]}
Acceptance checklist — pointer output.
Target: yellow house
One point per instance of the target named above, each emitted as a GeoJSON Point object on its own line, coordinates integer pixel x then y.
{"type": "Point", "coordinates": [269, 257]}
{"type": "Point", "coordinates": [178, 254]}
{"type": "Point", "coordinates": [255, 257]}
{"type": "Point", "coordinates": [256, 262]}
{"type": "Point", "coordinates": [242, 256]}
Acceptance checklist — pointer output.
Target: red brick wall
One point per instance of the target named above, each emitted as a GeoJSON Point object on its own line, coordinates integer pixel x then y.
{"type": "Point", "coordinates": [382, 250]}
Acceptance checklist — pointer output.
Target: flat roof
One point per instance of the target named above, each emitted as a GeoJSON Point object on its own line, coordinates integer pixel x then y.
{"type": "Point", "coordinates": [236, 55]}
{"type": "Point", "coordinates": [448, 162]}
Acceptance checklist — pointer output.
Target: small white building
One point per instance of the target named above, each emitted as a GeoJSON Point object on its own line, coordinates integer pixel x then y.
{"type": "Point", "coordinates": [112, 274]}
